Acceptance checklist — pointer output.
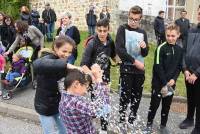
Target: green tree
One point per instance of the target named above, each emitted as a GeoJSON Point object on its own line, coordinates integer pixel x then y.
{"type": "Point", "coordinates": [12, 7]}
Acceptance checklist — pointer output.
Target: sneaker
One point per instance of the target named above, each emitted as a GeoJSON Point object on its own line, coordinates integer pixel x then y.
{"type": "Point", "coordinates": [102, 132]}
{"type": "Point", "coordinates": [186, 123]}
{"type": "Point", "coordinates": [195, 131]}
{"type": "Point", "coordinates": [122, 128]}
{"type": "Point", "coordinates": [163, 130]}
{"type": "Point", "coordinates": [7, 96]}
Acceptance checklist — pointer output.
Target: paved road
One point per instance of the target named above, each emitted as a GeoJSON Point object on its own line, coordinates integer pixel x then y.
{"type": "Point", "coordinates": [25, 99]}
{"type": "Point", "coordinates": [11, 125]}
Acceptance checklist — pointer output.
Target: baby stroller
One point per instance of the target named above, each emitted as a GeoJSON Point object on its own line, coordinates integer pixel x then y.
{"type": "Point", "coordinates": [21, 81]}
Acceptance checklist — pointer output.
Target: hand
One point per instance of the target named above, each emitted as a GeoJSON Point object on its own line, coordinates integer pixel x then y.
{"type": "Point", "coordinates": [139, 64]}
{"type": "Point", "coordinates": [97, 73]}
{"type": "Point", "coordinates": [171, 82]}
{"type": "Point", "coordinates": [164, 91]}
{"type": "Point", "coordinates": [187, 75]}
{"type": "Point", "coordinates": [192, 79]}
{"type": "Point", "coordinates": [142, 44]}
{"type": "Point", "coordinates": [6, 54]}
{"type": "Point", "coordinates": [86, 70]}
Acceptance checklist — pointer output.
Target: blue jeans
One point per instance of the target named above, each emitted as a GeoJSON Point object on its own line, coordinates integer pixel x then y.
{"type": "Point", "coordinates": [52, 124]}
{"type": "Point", "coordinates": [91, 30]}
{"type": "Point", "coordinates": [12, 75]}
{"type": "Point", "coordinates": [50, 30]}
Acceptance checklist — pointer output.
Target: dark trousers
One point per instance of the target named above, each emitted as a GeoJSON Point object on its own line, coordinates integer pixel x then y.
{"type": "Point", "coordinates": [154, 104]}
{"type": "Point", "coordinates": [131, 92]}
{"type": "Point", "coordinates": [160, 39]}
{"type": "Point", "coordinates": [193, 101]}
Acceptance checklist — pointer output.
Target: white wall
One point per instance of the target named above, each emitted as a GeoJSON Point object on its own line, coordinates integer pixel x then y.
{"type": "Point", "coordinates": [150, 7]}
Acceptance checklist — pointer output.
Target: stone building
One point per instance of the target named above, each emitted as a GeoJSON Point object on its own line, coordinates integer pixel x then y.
{"type": "Point", "coordinates": [79, 8]}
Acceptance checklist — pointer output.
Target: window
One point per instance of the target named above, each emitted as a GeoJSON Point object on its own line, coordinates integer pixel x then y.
{"type": "Point", "coordinates": [173, 8]}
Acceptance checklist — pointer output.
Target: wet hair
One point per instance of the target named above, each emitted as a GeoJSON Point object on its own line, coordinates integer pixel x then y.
{"type": "Point", "coordinates": [61, 40]}
{"type": "Point", "coordinates": [173, 27]}
{"type": "Point", "coordinates": [21, 25]}
{"type": "Point", "coordinates": [103, 22]}
{"type": "Point", "coordinates": [76, 75]}
{"type": "Point", "coordinates": [160, 12]}
{"type": "Point", "coordinates": [135, 10]}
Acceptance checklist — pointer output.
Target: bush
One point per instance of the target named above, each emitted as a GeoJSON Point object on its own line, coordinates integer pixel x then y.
{"type": "Point", "coordinates": [12, 7]}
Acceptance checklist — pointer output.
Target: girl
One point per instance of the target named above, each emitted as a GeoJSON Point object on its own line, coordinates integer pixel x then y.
{"type": "Point", "coordinates": [49, 70]}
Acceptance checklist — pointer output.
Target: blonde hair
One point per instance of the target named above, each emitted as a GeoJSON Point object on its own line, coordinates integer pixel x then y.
{"type": "Point", "coordinates": [173, 27]}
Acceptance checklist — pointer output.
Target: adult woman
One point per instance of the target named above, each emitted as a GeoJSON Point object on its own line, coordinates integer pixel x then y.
{"type": "Point", "coordinates": [2, 29]}
{"type": "Point", "coordinates": [68, 29]}
{"type": "Point", "coordinates": [27, 35]}
{"type": "Point", "coordinates": [25, 14]}
{"type": "Point", "coordinates": [50, 69]}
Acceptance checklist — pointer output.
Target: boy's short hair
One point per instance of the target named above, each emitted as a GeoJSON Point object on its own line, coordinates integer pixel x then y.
{"type": "Point", "coordinates": [76, 75]}
{"type": "Point", "coordinates": [103, 22]}
{"type": "Point", "coordinates": [173, 27]}
{"type": "Point", "coordinates": [136, 10]}
{"type": "Point", "coordinates": [183, 11]}
{"type": "Point", "coordinates": [160, 12]}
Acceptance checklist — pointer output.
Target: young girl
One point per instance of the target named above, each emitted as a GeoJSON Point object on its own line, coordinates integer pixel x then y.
{"type": "Point", "coordinates": [76, 111]}
{"type": "Point", "coordinates": [49, 70]}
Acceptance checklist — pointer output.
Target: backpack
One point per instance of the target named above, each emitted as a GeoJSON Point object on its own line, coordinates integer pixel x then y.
{"type": "Point", "coordinates": [86, 41]}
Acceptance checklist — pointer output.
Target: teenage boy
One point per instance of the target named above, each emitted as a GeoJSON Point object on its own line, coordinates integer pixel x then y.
{"type": "Point", "coordinates": [132, 47]}
{"type": "Point", "coordinates": [99, 50]}
{"type": "Point", "coordinates": [159, 27]}
{"type": "Point", "coordinates": [191, 68]}
{"type": "Point", "coordinates": [166, 69]}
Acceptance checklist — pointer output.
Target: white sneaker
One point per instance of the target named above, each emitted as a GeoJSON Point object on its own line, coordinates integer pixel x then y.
{"type": "Point", "coordinates": [102, 132]}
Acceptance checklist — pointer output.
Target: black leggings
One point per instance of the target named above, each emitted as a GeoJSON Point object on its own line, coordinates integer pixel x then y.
{"type": "Point", "coordinates": [154, 104]}
{"type": "Point", "coordinates": [131, 92]}
{"type": "Point", "coordinates": [193, 101]}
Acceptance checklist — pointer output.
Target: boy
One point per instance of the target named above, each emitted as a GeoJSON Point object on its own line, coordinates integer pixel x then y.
{"type": "Point", "coordinates": [99, 50]}
{"type": "Point", "coordinates": [75, 110]}
{"type": "Point", "coordinates": [131, 46]}
{"type": "Point", "coordinates": [101, 45]}
{"type": "Point", "coordinates": [166, 69]}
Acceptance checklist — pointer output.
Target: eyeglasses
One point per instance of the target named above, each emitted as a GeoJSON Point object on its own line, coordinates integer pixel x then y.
{"type": "Point", "coordinates": [134, 20]}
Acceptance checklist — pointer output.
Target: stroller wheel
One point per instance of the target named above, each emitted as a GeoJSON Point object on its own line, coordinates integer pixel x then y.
{"type": "Point", "coordinates": [7, 96]}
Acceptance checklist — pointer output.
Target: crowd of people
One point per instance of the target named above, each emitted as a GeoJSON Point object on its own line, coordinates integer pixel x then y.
{"type": "Point", "coordinates": [61, 86]}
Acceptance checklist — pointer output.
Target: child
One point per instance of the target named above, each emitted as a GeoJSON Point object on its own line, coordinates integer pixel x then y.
{"type": "Point", "coordinates": [75, 110]}
{"type": "Point", "coordinates": [17, 68]}
{"type": "Point", "coordinates": [166, 69]}
{"type": "Point", "coordinates": [132, 47]}
{"type": "Point", "coordinates": [49, 70]}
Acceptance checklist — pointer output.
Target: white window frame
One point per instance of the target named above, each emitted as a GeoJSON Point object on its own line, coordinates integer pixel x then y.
{"type": "Point", "coordinates": [174, 7]}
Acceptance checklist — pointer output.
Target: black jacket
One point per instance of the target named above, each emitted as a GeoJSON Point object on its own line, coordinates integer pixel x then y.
{"type": "Point", "coordinates": [91, 18]}
{"type": "Point", "coordinates": [94, 48]}
{"type": "Point", "coordinates": [3, 34]}
{"type": "Point", "coordinates": [167, 64]}
{"type": "Point", "coordinates": [35, 17]}
{"type": "Point", "coordinates": [49, 69]}
{"type": "Point", "coordinates": [159, 26]}
{"type": "Point", "coordinates": [184, 27]}
{"type": "Point", "coordinates": [191, 60]}
{"type": "Point", "coordinates": [11, 34]}
{"type": "Point", "coordinates": [49, 16]}
{"type": "Point", "coordinates": [125, 39]}
{"type": "Point", "coordinates": [102, 15]}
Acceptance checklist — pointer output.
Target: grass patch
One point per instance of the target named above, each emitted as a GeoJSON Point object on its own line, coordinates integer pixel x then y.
{"type": "Point", "coordinates": [180, 88]}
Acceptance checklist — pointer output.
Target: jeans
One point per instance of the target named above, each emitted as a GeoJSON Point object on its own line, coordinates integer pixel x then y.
{"type": "Point", "coordinates": [91, 30]}
{"type": "Point", "coordinates": [12, 75]}
{"type": "Point", "coordinates": [52, 124]}
{"type": "Point", "coordinates": [50, 30]}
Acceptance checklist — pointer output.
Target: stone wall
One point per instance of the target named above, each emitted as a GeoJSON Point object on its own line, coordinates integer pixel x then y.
{"type": "Point", "coordinates": [78, 9]}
